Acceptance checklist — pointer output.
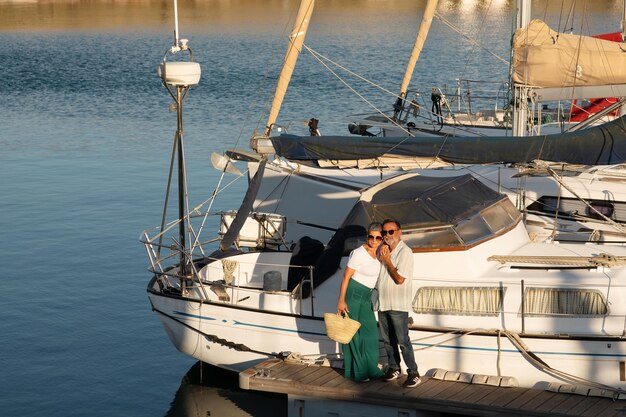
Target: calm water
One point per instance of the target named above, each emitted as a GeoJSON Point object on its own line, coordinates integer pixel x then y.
{"type": "Point", "coordinates": [84, 147]}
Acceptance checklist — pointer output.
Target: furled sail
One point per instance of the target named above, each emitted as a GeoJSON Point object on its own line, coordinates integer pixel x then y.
{"type": "Point", "coordinates": [543, 57]}
{"type": "Point", "coordinates": [296, 40]}
{"type": "Point", "coordinates": [429, 12]}
{"type": "Point", "coordinates": [598, 145]}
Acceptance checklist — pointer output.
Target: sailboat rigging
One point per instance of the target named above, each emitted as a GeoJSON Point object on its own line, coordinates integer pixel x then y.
{"type": "Point", "coordinates": [482, 275]}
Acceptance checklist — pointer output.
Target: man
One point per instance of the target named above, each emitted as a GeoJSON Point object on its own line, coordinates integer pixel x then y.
{"type": "Point", "coordinates": [395, 297]}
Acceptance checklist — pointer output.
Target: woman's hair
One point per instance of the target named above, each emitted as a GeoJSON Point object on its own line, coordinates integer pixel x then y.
{"type": "Point", "coordinates": [375, 227]}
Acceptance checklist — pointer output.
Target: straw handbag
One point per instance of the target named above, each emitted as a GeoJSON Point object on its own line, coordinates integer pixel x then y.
{"type": "Point", "coordinates": [340, 328]}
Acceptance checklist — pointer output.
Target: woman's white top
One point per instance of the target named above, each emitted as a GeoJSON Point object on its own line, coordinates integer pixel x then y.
{"type": "Point", "coordinates": [366, 268]}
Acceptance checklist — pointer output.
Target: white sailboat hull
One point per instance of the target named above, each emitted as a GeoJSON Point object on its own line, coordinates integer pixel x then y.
{"type": "Point", "coordinates": [221, 334]}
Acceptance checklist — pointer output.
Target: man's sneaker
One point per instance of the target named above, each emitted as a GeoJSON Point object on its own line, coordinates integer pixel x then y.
{"type": "Point", "coordinates": [412, 381]}
{"type": "Point", "coordinates": [391, 374]}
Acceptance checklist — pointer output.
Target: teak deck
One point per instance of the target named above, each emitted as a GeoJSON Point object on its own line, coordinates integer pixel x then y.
{"type": "Point", "coordinates": [432, 394]}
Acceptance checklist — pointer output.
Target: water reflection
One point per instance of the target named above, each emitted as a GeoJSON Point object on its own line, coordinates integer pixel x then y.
{"type": "Point", "coordinates": [209, 391]}
{"type": "Point", "coordinates": [246, 16]}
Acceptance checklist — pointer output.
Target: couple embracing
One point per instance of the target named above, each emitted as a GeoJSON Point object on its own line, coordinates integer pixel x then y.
{"type": "Point", "coordinates": [383, 264]}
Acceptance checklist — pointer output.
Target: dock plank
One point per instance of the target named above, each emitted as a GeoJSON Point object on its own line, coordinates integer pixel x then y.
{"type": "Point", "coordinates": [535, 403]}
{"type": "Point", "coordinates": [580, 408]}
{"type": "Point", "coordinates": [298, 373]}
{"type": "Point", "coordinates": [548, 405]}
{"type": "Point", "coordinates": [321, 382]}
{"type": "Point", "coordinates": [472, 393]}
{"type": "Point", "coordinates": [611, 409]}
{"type": "Point", "coordinates": [481, 392]}
{"type": "Point", "coordinates": [454, 391]}
{"type": "Point", "coordinates": [279, 371]}
{"type": "Point", "coordinates": [436, 390]}
{"type": "Point", "coordinates": [328, 376]}
{"type": "Point", "coordinates": [527, 396]}
{"type": "Point", "coordinates": [316, 374]}
{"type": "Point", "coordinates": [334, 382]}
{"type": "Point", "coordinates": [427, 386]}
{"type": "Point", "coordinates": [604, 407]}
{"type": "Point", "coordinates": [564, 407]}
{"type": "Point", "coordinates": [502, 396]}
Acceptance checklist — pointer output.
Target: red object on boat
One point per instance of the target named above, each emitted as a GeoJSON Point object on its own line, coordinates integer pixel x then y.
{"type": "Point", "coordinates": [614, 36]}
{"type": "Point", "coordinates": [578, 114]}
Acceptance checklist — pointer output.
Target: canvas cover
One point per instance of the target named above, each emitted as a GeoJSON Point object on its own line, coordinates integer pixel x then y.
{"type": "Point", "coordinates": [543, 57]}
{"type": "Point", "coordinates": [418, 201]}
{"type": "Point", "coordinates": [598, 145]}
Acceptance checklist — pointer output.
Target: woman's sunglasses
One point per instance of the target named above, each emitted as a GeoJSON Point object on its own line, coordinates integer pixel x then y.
{"type": "Point", "coordinates": [374, 237]}
{"type": "Point", "coordinates": [390, 232]}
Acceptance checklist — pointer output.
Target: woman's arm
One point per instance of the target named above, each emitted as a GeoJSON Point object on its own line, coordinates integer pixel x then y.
{"type": "Point", "coordinates": [342, 307]}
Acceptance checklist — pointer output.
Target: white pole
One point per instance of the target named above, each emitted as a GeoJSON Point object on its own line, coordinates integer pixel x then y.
{"type": "Point", "coordinates": [520, 92]}
{"type": "Point", "coordinates": [175, 23]}
{"type": "Point", "coordinates": [296, 40]}
{"type": "Point", "coordinates": [427, 19]}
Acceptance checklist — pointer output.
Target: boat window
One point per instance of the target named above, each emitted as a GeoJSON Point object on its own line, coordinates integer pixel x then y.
{"type": "Point", "coordinates": [512, 210]}
{"type": "Point", "coordinates": [600, 208]}
{"type": "Point", "coordinates": [501, 215]}
{"type": "Point", "coordinates": [431, 238]}
{"type": "Point", "coordinates": [473, 229]}
{"type": "Point", "coordinates": [574, 207]}
{"type": "Point", "coordinates": [469, 301]}
{"type": "Point", "coordinates": [564, 301]}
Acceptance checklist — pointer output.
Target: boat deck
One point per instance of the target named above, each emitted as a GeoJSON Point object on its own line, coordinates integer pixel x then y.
{"type": "Point", "coordinates": [325, 383]}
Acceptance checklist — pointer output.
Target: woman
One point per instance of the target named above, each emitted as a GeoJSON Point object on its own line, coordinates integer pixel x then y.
{"type": "Point", "coordinates": [360, 356]}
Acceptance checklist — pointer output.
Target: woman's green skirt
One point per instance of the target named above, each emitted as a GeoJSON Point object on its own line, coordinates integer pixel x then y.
{"type": "Point", "coordinates": [360, 356]}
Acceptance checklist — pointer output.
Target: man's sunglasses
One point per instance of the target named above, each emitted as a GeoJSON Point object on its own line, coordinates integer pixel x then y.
{"type": "Point", "coordinates": [374, 237]}
{"type": "Point", "coordinates": [386, 232]}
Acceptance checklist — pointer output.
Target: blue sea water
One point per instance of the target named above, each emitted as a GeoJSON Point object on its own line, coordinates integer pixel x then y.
{"type": "Point", "coordinates": [85, 139]}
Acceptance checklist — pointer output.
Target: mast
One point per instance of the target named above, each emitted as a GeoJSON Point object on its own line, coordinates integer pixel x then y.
{"type": "Point", "coordinates": [178, 77]}
{"type": "Point", "coordinates": [262, 144]}
{"type": "Point", "coordinates": [520, 92]}
{"type": "Point", "coordinates": [296, 40]}
{"type": "Point", "coordinates": [623, 22]}
{"type": "Point", "coordinates": [427, 19]}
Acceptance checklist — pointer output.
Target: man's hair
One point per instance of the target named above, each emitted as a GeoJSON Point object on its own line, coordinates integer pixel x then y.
{"type": "Point", "coordinates": [384, 222]}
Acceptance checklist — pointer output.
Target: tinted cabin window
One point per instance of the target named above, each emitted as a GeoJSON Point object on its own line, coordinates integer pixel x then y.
{"type": "Point", "coordinates": [431, 238]}
{"type": "Point", "coordinates": [480, 226]}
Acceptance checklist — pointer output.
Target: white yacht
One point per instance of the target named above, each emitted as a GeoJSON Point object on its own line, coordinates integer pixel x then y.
{"type": "Point", "coordinates": [490, 304]}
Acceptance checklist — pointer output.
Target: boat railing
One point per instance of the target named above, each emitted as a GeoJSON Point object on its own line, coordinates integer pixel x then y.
{"type": "Point", "coordinates": [466, 97]}
{"type": "Point", "coordinates": [239, 276]}
{"type": "Point", "coordinates": [234, 275]}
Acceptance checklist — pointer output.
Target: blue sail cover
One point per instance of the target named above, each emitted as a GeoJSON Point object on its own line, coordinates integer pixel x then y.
{"type": "Point", "coordinates": [597, 145]}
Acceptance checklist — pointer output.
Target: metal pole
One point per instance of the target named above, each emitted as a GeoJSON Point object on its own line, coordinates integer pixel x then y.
{"type": "Point", "coordinates": [523, 310]}
{"type": "Point", "coordinates": [181, 180]}
{"type": "Point", "coordinates": [311, 284]}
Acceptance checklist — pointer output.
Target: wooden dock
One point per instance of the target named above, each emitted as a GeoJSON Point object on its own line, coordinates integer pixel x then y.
{"type": "Point", "coordinates": [434, 395]}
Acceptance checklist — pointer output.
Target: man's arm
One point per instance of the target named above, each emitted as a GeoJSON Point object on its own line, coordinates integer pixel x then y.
{"type": "Point", "coordinates": [391, 268]}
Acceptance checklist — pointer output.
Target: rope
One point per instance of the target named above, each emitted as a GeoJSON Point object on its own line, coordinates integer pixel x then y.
{"type": "Point", "coordinates": [470, 40]}
{"type": "Point", "coordinates": [544, 367]}
{"type": "Point", "coordinates": [319, 57]}
{"type": "Point", "coordinates": [229, 267]}
{"type": "Point", "coordinates": [556, 177]}
{"type": "Point", "coordinates": [240, 347]}
{"type": "Point", "coordinates": [414, 105]}
{"type": "Point", "coordinates": [590, 261]}
{"type": "Point", "coordinates": [531, 357]}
